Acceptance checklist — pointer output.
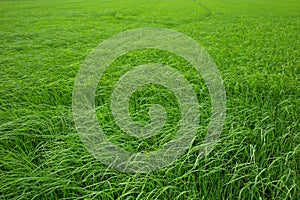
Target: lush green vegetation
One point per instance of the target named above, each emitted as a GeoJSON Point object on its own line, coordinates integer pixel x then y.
{"type": "Point", "coordinates": [255, 45]}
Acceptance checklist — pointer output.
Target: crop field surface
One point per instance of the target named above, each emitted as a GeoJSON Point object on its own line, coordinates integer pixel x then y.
{"type": "Point", "coordinates": [255, 46]}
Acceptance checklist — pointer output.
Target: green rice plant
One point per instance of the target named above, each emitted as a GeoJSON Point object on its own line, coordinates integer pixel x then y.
{"type": "Point", "coordinates": [255, 45]}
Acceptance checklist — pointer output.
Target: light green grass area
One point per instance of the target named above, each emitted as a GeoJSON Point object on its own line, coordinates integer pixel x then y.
{"type": "Point", "coordinates": [254, 43]}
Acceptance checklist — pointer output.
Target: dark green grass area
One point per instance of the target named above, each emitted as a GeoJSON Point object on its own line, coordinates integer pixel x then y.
{"type": "Point", "coordinates": [255, 45]}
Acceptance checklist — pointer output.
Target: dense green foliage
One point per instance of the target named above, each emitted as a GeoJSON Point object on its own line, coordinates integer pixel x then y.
{"type": "Point", "coordinates": [255, 45]}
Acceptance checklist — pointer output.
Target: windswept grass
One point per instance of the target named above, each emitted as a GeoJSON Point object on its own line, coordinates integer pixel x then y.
{"type": "Point", "coordinates": [255, 45]}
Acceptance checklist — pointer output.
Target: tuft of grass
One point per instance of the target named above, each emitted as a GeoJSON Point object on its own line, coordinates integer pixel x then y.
{"type": "Point", "coordinates": [255, 45]}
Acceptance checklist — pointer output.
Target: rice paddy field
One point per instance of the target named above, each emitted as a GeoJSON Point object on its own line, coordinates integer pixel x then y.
{"type": "Point", "coordinates": [255, 45]}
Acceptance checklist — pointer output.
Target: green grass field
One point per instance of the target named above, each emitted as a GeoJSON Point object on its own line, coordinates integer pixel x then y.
{"type": "Point", "coordinates": [254, 43]}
